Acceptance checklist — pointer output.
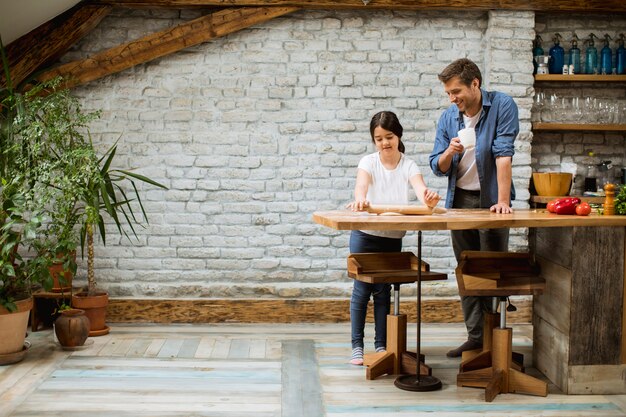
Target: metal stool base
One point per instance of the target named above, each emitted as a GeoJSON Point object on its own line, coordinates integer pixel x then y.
{"type": "Point", "coordinates": [412, 383]}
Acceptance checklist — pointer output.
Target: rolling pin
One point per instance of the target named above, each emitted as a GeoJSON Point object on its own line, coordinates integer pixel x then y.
{"type": "Point", "coordinates": [404, 209]}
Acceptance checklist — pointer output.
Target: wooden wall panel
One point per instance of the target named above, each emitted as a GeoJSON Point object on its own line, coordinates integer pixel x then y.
{"type": "Point", "coordinates": [597, 379]}
{"type": "Point", "coordinates": [551, 352]}
{"type": "Point", "coordinates": [554, 304]}
{"type": "Point", "coordinates": [280, 311]}
{"type": "Point", "coordinates": [553, 243]}
{"type": "Point", "coordinates": [597, 291]}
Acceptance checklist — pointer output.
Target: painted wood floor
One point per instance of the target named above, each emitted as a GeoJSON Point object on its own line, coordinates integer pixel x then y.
{"type": "Point", "coordinates": [255, 370]}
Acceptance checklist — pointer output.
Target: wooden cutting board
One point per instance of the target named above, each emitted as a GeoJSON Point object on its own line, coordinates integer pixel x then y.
{"type": "Point", "coordinates": [404, 209]}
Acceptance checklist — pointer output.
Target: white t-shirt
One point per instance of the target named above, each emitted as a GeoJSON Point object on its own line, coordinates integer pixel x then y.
{"type": "Point", "coordinates": [467, 172]}
{"type": "Point", "coordinates": [388, 186]}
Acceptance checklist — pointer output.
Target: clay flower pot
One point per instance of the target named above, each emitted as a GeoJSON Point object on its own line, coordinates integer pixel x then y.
{"type": "Point", "coordinates": [61, 279]}
{"type": "Point", "coordinates": [95, 307]}
{"type": "Point", "coordinates": [72, 327]}
{"type": "Point", "coordinates": [13, 327]}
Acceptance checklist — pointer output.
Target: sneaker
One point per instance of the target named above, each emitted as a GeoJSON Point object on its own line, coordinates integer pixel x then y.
{"type": "Point", "coordinates": [357, 356]}
{"type": "Point", "coordinates": [468, 345]}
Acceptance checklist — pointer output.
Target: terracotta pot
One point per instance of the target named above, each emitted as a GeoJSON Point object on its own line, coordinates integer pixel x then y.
{"type": "Point", "coordinates": [61, 280]}
{"type": "Point", "coordinates": [72, 327]}
{"type": "Point", "coordinates": [13, 327]}
{"type": "Point", "coordinates": [95, 307]}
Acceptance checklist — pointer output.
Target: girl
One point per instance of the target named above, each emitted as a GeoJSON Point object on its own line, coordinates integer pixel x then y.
{"type": "Point", "coordinates": [382, 178]}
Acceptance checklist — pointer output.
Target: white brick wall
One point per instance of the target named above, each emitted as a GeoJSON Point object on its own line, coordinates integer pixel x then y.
{"type": "Point", "coordinates": [255, 131]}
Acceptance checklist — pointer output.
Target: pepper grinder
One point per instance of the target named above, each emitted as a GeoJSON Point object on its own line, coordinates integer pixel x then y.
{"type": "Point", "coordinates": [609, 199]}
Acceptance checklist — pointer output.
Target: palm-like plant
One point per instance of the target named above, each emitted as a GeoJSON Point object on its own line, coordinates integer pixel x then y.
{"type": "Point", "coordinates": [103, 193]}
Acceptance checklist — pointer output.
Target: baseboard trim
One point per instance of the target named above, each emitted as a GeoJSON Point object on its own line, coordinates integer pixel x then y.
{"type": "Point", "coordinates": [132, 310]}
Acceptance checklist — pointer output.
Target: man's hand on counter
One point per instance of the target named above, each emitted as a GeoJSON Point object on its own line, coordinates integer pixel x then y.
{"type": "Point", "coordinates": [503, 208]}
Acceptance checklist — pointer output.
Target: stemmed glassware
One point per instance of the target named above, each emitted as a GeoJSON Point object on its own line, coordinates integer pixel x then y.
{"type": "Point", "coordinates": [553, 108]}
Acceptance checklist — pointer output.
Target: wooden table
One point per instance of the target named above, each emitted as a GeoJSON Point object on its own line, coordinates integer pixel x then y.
{"type": "Point", "coordinates": [45, 305]}
{"type": "Point", "coordinates": [580, 321]}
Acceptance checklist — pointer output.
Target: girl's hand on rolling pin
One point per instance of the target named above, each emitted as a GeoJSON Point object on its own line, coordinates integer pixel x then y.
{"type": "Point", "coordinates": [431, 198]}
{"type": "Point", "coordinates": [358, 205]}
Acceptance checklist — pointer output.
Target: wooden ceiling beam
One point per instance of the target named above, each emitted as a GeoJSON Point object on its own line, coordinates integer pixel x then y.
{"type": "Point", "coordinates": [51, 40]}
{"type": "Point", "coordinates": [611, 6]}
{"type": "Point", "coordinates": [163, 43]}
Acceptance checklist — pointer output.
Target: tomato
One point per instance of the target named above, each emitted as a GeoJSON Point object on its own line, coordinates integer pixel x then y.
{"type": "Point", "coordinates": [551, 205]}
{"type": "Point", "coordinates": [583, 209]}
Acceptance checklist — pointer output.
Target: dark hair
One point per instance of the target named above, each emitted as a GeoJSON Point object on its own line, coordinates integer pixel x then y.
{"type": "Point", "coordinates": [463, 68]}
{"type": "Point", "coordinates": [388, 121]}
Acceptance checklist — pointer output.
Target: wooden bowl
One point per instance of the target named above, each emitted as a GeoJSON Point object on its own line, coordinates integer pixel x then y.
{"type": "Point", "coordinates": [552, 183]}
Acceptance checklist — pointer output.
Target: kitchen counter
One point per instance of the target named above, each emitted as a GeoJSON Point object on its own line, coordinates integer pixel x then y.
{"type": "Point", "coordinates": [459, 219]}
{"type": "Point", "coordinates": [579, 322]}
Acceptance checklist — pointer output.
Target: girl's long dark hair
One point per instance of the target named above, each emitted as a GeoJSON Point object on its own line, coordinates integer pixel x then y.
{"type": "Point", "coordinates": [388, 121]}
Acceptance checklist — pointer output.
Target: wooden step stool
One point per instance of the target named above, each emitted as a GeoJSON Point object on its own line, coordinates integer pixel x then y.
{"type": "Point", "coordinates": [392, 268]}
{"type": "Point", "coordinates": [498, 274]}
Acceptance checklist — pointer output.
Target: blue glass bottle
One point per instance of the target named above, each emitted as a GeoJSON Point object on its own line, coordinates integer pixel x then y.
{"type": "Point", "coordinates": [606, 57]}
{"type": "Point", "coordinates": [557, 56]}
{"type": "Point", "coordinates": [574, 55]}
{"type": "Point", "coordinates": [620, 56]}
{"type": "Point", "coordinates": [537, 51]}
{"type": "Point", "coordinates": [591, 56]}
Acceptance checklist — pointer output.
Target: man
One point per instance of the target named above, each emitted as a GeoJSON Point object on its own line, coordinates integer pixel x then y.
{"type": "Point", "coordinates": [479, 176]}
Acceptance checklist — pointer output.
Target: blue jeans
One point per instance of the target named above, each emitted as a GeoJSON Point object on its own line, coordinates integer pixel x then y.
{"type": "Point", "coordinates": [362, 243]}
{"type": "Point", "coordinates": [483, 239]}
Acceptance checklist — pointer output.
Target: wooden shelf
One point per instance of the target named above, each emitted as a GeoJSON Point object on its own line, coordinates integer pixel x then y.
{"type": "Point", "coordinates": [543, 199]}
{"type": "Point", "coordinates": [580, 127]}
{"type": "Point", "coordinates": [580, 78]}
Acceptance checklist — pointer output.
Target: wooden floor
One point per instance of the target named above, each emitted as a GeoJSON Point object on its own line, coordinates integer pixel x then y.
{"type": "Point", "coordinates": [255, 370]}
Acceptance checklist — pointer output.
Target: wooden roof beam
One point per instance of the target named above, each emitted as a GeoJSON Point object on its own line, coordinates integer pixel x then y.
{"type": "Point", "coordinates": [163, 43]}
{"type": "Point", "coordinates": [51, 40]}
{"type": "Point", "coordinates": [610, 6]}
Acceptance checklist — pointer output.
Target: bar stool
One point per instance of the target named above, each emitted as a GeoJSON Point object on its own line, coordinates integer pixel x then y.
{"type": "Point", "coordinates": [498, 274]}
{"type": "Point", "coordinates": [392, 268]}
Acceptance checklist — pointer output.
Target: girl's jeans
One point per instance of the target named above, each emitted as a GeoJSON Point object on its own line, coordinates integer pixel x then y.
{"type": "Point", "coordinates": [362, 243]}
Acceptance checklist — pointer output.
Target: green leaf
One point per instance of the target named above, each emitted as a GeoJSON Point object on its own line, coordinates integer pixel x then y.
{"type": "Point", "coordinates": [143, 178]}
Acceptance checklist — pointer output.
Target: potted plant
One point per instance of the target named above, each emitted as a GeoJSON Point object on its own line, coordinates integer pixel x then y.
{"type": "Point", "coordinates": [20, 222]}
{"type": "Point", "coordinates": [17, 275]}
{"type": "Point", "coordinates": [40, 130]}
{"type": "Point", "coordinates": [45, 140]}
{"type": "Point", "coordinates": [103, 194]}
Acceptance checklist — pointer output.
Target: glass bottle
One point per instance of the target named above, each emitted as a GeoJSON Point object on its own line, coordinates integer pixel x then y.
{"type": "Point", "coordinates": [590, 177]}
{"type": "Point", "coordinates": [591, 56]}
{"type": "Point", "coordinates": [606, 57]}
{"type": "Point", "coordinates": [537, 51]}
{"type": "Point", "coordinates": [557, 56]}
{"type": "Point", "coordinates": [620, 55]}
{"type": "Point", "coordinates": [574, 55]}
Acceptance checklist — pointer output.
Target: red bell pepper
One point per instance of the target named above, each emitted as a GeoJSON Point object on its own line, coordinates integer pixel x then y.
{"type": "Point", "coordinates": [566, 205]}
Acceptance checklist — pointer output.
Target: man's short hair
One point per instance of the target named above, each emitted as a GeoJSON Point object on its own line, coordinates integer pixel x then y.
{"type": "Point", "coordinates": [463, 68]}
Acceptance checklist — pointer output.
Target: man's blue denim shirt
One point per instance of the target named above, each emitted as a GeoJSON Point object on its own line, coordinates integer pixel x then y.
{"type": "Point", "coordinates": [496, 131]}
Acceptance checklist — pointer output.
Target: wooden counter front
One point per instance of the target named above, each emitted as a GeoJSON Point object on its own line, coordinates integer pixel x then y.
{"type": "Point", "coordinates": [579, 322]}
